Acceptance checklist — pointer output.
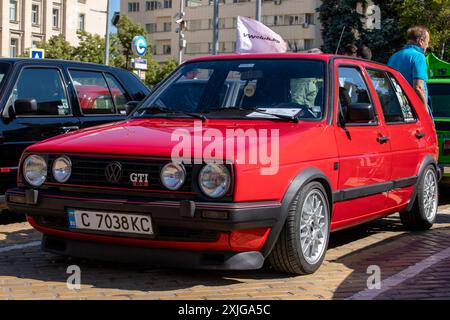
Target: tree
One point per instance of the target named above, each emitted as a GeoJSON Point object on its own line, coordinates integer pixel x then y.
{"type": "Point", "coordinates": [334, 16]}
{"type": "Point", "coordinates": [387, 40]}
{"type": "Point", "coordinates": [126, 31]}
{"type": "Point", "coordinates": [434, 14]}
{"type": "Point", "coordinates": [55, 48]}
{"type": "Point", "coordinates": [157, 72]}
{"type": "Point", "coordinates": [91, 48]}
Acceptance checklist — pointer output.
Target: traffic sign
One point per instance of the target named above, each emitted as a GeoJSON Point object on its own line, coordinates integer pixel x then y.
{"type": "Point", "coordinates": [37, 53]}
{"type": "Point", "coordinates": [139, 64]}
{"type": "Point", "coordinates": [139, 46]}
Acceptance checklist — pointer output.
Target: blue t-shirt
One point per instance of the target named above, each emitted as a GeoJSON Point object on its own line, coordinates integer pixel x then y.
{"type": "Point", "coordinates": [412, 64]}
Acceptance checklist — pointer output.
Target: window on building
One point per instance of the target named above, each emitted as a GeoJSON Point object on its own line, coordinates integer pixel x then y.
{"type": "Point", "coordinates": [13, 10]}
{"type": "Point", "coordinates": [56, 18]}
{"type": "Point", "coordinates": [35, 14]}
{"type": "Point", "coordinates": [167, 4]}
{"type": "Point", "coordinates": [167, 26]}
{"type": "Point", "coordinates": [81, 22]}
{"type": "Point", "coordinates": [151, 27]}
{"type": "Point", "coordinates": [167, 49]}
{"type": "Point", "coordinates": [152, 5]}
{"type": "Point", "coordinates": [133, 7]}
{"type": "Point", "coordinates": [308, 44]}
{"type": "Point", "coordinates": [195, 25]}
{"type": "Point", "coordinates": [309, 18]}
{"type": "Point", "coordinates": [14, 48]}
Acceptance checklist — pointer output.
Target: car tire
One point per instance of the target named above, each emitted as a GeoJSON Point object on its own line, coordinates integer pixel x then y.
{"type": "Point", "coordinates": [424, 211]}
{"type": "Point", "coordinates": [291, 253]}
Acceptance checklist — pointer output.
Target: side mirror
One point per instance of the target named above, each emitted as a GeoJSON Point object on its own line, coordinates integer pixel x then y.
{"type": "Point", "coordinates": [360, 113]}
{"type": "Point", "coordinates": [131, 106]}
{"type": "Point", "coordinates": [23, 107]}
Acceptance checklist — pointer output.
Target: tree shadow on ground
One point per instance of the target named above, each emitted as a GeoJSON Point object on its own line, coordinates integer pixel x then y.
{"type": "Point", "coordinates": [391, 255]}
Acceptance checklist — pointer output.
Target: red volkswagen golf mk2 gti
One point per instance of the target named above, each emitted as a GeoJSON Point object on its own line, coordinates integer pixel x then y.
{"type": "Point", "coordinates": [237, 159]}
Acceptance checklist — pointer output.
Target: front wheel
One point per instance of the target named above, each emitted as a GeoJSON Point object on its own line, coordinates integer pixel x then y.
{"type": "Point", "coordinates": [424, 212]}
{"type": "Point", "coordinates": [303, 242]}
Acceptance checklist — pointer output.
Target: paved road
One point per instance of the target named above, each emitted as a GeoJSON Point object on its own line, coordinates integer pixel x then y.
{"type": "Point", "coordinates": [413, 266]}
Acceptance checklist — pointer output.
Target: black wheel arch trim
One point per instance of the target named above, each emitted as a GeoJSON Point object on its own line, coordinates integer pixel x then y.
{"type": "Point", "coordinates": [429, 160]}
{"type": "Point", "coordinates": [302, 179]}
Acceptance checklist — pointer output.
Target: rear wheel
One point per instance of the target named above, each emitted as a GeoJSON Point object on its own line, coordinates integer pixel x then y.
{"type": "Point", "coordinates": [424, 212]}
{"type": "Point", "coordinates": [303, 242]}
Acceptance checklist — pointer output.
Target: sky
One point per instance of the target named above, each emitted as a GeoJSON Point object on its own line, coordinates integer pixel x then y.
{"type": "Point", "coordinates": [115, 6]}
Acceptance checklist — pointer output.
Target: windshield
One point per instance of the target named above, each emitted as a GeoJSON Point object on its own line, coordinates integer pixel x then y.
{"type": "Point", "coordinates": [4, 68]}
{"type": "Point", "coordinates": [270, 89]}
{"type": "Point", "coordinates": [440, 99]}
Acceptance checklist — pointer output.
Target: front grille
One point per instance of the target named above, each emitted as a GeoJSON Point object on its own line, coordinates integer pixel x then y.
{"type": "Point", "coordinates": [91, 172]}
{"type": "Point", "coordinates": [162, 233]}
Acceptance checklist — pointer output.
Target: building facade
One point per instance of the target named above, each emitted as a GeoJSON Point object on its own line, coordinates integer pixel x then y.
{"type": "Point", "coordinates": [23, 23]}
{"type": "Point", "coordinates": [295, 20]}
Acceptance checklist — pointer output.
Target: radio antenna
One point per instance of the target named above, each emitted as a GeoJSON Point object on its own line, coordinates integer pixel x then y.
{"type": "Point", "coordinates": [340, 40]}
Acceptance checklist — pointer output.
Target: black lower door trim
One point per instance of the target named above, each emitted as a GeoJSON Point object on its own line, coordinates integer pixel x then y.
{"type": "Point", "coordinates": [370, 190]}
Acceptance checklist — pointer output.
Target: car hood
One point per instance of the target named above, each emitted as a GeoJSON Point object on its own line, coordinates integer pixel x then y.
{"type": "Point", "coordinates": [159, 137]}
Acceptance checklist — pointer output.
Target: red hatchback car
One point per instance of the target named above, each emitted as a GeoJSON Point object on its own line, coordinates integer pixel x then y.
{"type": "Point", "coordinates": [235, 159]}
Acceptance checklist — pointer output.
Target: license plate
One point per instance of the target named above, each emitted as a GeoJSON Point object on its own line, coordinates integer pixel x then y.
{"type": "Point", "coordinates": [110, 222]}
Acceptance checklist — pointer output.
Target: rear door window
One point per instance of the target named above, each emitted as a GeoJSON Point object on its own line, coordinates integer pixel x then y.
{"type": "Point", "coordinates": [93, 92]}
{"type": "Point", "coordinates": [46, 86]}
{"type": "Point", "coordinates": [440, 99]}
{"type": "Point", "coordinates": [396, 106]}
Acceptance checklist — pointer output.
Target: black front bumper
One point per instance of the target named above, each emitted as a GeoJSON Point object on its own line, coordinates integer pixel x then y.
{"type": "Point", "coordinates": [154, 257]}
{"type": "Point", "coordinates": [184, 215]}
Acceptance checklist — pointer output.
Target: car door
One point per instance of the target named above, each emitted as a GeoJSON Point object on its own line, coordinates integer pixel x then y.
{"type": "Point", "coordinates": [364, 153]}
{"type": "Point", "coordinates": [53, 113]}
{"type": "Point", "coordinates": [100, 96]}
{"type": "Point", "coordinates": [405, 132]}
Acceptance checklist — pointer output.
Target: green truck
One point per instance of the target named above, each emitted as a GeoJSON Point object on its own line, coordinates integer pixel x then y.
{"type": "Point", "coordinates": [439, 91]}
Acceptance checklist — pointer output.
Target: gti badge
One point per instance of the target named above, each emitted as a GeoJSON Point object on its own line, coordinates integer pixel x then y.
{"type": "Point", "coordinates": [139, 179]}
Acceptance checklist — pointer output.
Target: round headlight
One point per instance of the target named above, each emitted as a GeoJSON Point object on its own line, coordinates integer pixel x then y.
{"type": "Point", "coordinates": [62, 169]}
{"type": "Point", "coordinates": [35, 170]}
{"type": "Point", "coordinates": [214, 180]}
{"type": "Point", "coordinates": [173, 176]}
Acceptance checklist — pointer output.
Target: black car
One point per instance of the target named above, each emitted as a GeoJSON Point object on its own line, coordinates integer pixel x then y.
{"type": "Point", "coordinates": [40, 99]}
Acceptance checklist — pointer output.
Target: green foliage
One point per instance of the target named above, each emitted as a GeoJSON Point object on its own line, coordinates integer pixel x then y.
{"type": "Point", "coordinates": [157, 72]}
{"type": "Point", "coordinates": [334, 16]}
{"type": "Point", "coordinates": [126, 31]}
{"type": "Point", "coordinates": [396, 17]}
{"type": "Point", "coordinates": [56, 48]}
{"type": "Point", "coordinates": [435, 15]}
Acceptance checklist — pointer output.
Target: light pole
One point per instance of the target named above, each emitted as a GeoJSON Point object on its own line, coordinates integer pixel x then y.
{"type": "Point", "coordinates": [107, 31]}
{"type": "Point", "coordinates": [181, 27]}
{"type": "Point", "coordinates": [215, 48]}
{"type": "Point", "coordinates": [258, 10]}
{"type": "Point", "coordinates": [107, 34]}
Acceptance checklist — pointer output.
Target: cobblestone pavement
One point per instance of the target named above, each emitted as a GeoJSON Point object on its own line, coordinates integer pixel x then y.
{"type": "Point", "coordinates": [414, 265]}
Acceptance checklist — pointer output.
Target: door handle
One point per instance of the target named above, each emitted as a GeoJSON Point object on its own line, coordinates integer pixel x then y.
{"type": "Point", "coordinates": [420, 135]}
{"type": "Point", "coordinates": [383, 140]}
{"type": "Point", "coordinates": [69, 129]}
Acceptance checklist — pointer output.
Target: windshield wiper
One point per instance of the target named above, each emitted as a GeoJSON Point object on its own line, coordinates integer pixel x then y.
{"type": "Point", "coordinates": [294, 118]}
{"type": "Point", "coordinates": [154, 110]}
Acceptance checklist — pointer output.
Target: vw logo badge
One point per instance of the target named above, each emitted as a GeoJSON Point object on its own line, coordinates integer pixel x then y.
{"type": "Point", "coordinates": [139, 46]}
{"type": "Point", "coordinates": [113, 172]}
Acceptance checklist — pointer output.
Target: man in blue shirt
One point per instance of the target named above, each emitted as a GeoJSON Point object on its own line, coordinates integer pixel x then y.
{"type": "Point", "coordinates": [411, 63]}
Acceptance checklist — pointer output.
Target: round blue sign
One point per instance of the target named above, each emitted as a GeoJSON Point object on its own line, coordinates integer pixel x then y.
{"type": "Point", "coordinates": [139, 46]}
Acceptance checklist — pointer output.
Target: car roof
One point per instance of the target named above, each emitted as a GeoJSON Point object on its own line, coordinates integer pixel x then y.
{"type": "Point", "coordinates": [308, 56]}
{"type": "Point", "coordinates": [54, 61]}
